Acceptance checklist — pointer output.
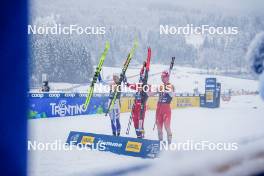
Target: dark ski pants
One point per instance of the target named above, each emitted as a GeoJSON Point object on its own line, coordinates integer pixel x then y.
{"type": "Point", "coordinates": [138, 123]}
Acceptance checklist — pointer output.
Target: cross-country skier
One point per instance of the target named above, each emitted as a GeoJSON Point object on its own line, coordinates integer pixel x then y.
{"type": "Point", "coordinates": [138, 114]}
{"type": "Point", "coordinates": [114, 113]}
{"type": "Point", "coordinates": [163, 112]}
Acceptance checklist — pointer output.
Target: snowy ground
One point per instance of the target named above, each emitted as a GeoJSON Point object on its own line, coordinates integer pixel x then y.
{"type": "Point", "coordinates": [241, 118]}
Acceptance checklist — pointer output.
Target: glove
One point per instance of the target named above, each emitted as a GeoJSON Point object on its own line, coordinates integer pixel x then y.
{"type": "Point", "coordinates": [125, 79]}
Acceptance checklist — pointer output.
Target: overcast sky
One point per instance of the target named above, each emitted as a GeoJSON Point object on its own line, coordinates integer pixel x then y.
{"type": "Point", "coordinates": [230, 5]}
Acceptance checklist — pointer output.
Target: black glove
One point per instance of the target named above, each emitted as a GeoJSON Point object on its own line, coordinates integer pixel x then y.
{"type": "Point", "coordinates": [124, 79]}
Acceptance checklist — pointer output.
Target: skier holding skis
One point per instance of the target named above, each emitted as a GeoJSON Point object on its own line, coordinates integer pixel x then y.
{"type": "Point", "coordinates": [139, 106]}
{"type": "Point", "coordinates": [163, 112]}
{"type": "Point", "coordinates": [114, 98]}
{"type": "Point", "coordinates": [141, 96]}
{"type": "Point", "coordinates": [114, 113]}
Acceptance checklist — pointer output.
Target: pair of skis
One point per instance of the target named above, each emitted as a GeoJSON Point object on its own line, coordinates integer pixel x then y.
{"type": "Point", "coordinates": [121, 78]}
{"type": "Point", "coordinates": [142, 92]}
{"type": "Point", "coordinates": [96, 75]}
{"type": "Point", "coordinates": [170, 69]}
{"type": "Point", "coordinates": [144, 76]}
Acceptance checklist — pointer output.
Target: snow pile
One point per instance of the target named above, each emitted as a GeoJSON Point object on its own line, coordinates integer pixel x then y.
{"type": "Point", "coordinates": [255, 53]}
{"type": "Point", "coordinates": [256, 57]}
{"type": "Point", "coordinates": [248, 160]}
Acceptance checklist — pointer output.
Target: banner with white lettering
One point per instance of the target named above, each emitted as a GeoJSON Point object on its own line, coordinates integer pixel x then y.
{"type": "Point", "coordinates": [45, 105]}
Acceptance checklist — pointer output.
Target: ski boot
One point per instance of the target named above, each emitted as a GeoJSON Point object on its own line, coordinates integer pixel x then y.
{"type": "Point", "coordinates": [142, 132]}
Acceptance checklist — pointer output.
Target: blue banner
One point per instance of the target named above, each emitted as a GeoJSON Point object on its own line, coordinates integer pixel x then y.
{"type": "Point", "coordinates": [43, 105]}
{"type": "Point", "coordinates": [202, 100]}
{"type": "Point", "coordinates": [210, 90]}
{"type": "Point", "coordinates": [212, 94]}
{"type": "Point", "coordinates": [119, 145]}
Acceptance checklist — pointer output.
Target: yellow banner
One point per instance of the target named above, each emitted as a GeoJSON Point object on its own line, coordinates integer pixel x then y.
{"type": "Point", "coordinates": [177, 102]}
{"type": "Point", "coordinates": [87, 140]}
{"type": "Point", "coordinates": [133, 146]}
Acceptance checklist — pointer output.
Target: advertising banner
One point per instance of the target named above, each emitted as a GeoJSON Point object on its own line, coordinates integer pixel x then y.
{"type": "Point", "coordinates": [46, 105]}
{"type": "Point", "coordinates": [143, 148]}
{"type": "Point", "coordinates": [43, 105]}
{"type": "Point", "coordinates": [210, 92]}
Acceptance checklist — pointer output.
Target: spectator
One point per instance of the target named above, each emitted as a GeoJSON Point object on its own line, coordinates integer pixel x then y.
{"type": "Point", "coordinates": [45, 86]}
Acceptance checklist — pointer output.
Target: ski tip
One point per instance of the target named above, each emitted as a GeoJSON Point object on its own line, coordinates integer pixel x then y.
{"type": "Point", "coordinates": [107, 44]}
{"type": "Point", "coordinates": [136, 42]}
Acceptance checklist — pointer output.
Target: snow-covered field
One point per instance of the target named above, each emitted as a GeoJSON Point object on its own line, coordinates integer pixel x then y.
{"type": "Point", "coordinates": [241, 120]}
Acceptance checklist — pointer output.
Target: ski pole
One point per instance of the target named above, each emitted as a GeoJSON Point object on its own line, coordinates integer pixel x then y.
{"type": "Point", "coordinates": [154, 126]}
{"type": "Point", "coordinates": [130, 119]}
{"type": "Point", "coordinates": [128, 125]}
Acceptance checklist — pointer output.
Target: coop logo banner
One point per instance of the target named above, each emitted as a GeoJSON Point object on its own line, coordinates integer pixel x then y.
{"type": "Point", "coordinates": [36, 95]}
{"type": "Point", "coordinates": [54, 95]}
{"type": "Point", "coordinates": [63, 109]}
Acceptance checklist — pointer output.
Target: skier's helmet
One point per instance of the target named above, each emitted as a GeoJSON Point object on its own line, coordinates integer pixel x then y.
{"type": "Point", "coordinates": [165, 76]}
{"type": "Point", "coordinates": [116, 77]}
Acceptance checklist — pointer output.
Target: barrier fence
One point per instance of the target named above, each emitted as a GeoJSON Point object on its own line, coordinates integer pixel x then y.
{"type": "Point", "coordinates": [45, 105]}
